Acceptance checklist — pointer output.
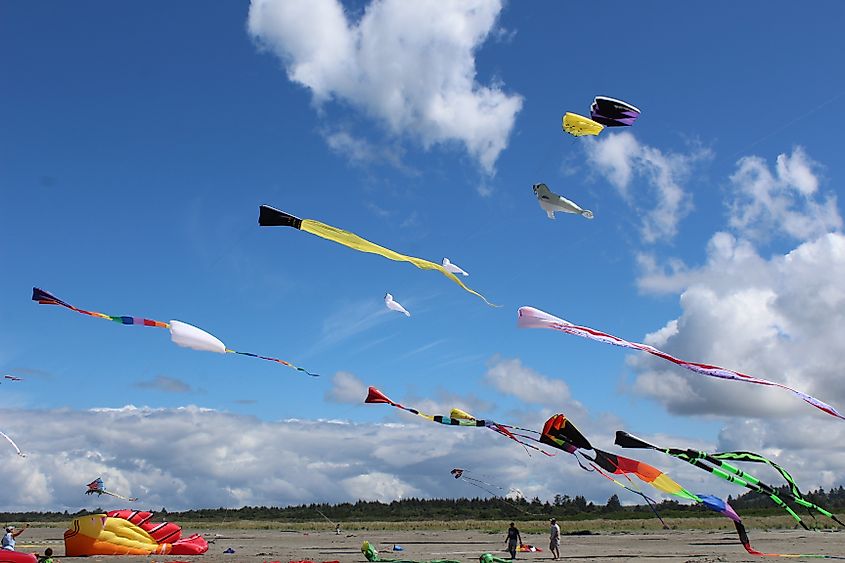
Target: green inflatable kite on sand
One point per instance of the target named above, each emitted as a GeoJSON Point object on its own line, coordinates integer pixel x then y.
{"type": "Point", "coordinates": [371, 554]}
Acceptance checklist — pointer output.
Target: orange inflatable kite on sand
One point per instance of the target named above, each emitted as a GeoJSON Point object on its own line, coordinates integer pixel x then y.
{"type": "Point", "coordinates": [128, 532]}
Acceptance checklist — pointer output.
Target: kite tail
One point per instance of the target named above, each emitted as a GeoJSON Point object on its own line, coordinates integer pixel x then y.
{"type": "Point", "coordinates": [649, 501]}
{"type": "Point", "coordinates": [277, 360]}
{"type": "Point", "coordinates": [47, 298]}
{"type": "Point", "coordinates": [746, 543]}
{"type": "Point", "coordinates": [363, 245]}
{"type": "Point", "coordinates": [324, 516]}
{"type": "Point", "coordinates": [529, 317]}
{"type": "Point", "coordinates": [503, 430]}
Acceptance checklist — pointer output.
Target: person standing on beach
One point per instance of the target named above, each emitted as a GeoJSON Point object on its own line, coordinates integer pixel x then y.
{"type": "Point", "coordinates": [513, 539]}
{"type": "Point", "coordinates": [554, 539]}
{"type": "Point", "coordinates": [8, 541]}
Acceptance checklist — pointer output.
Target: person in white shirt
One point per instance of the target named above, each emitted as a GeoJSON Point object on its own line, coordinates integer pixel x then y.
{"type": "Point", "coordinates": [8, 541]}
{"type": "Point", "coordinates": [554, 539]}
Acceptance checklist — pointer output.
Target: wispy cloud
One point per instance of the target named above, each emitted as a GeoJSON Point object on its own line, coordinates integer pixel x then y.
{"type": "Point", "coordinates": [620, 157]}
{"type": "Point", "coordinates": [422, 348]}
{"type": "Point", "coordinates": [351, 320]}
{"type": "Point", "coordinates": [361, 152]}
{"type": "Point", "coordinates": [785, 201]}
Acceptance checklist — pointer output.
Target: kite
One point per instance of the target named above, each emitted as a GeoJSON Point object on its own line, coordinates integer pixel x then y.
{"type": "Point", "coordinates": [14, 445]}
{"type": "Point", "coordinates": [561, 433]}
{"type": "Point", "coordinates": [578, 125]}
{"type": "Point", "coordinates": [454, 268]}
{"type": "Point", "coordinates": [182, 334]}
{"type": "Point", "coordinates": [371, 554]}
{"type": "Point", "coordinates": [613, 113]}
{"type": "Point", "coordinates": [458, 418]}
{"type": "Point", "coordinates": [490, 558]}
{"type": "Point", "coordinates": [529, 317]}
{"type": "Point", "coordinates": [551, 202]}
{"type": "Point", "coordinates": [458, 473]}
{"type": "Point", "coordinates": [271, 217]}
{"type": "Point", "coordinates": [99, 487]}
{"type": "Point", "coordinates": [128, 532]}
{"type": "Point", "coordinates": [12, 378]}
{"type": "Point", "coordinates": [394, 305]}
{"type": "Point", "coordinates": [716, 464]}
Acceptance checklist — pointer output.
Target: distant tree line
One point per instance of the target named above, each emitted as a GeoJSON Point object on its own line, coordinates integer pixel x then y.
{"type": "Point", "coordinates": [562, 507]}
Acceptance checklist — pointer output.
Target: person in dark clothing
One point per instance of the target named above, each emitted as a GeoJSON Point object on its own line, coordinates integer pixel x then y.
{"type": "Point", "coordinates": [514, 540]}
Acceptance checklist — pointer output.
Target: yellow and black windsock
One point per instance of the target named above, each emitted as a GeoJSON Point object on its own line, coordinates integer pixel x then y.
{"type": "Point", "coordinates": [271, 217]}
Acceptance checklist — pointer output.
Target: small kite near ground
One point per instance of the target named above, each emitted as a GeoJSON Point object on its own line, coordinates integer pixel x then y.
{"type": "Point", "coordinates": [551, 202]}
{"type": "Point", "coordinates": [394, 305]}
{"type": "Point", "coordinates": [182, 334]}
{"type": "Point", "coordinates": [272, 217]}
{"type": "Point", "coordinates": [99, 487]}
{"type": "Point", "coordinates": [529, 317]}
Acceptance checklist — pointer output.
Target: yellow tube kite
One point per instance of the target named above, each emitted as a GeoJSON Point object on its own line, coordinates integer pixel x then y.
{"type": "Point", "coordinates": [272, 217]}
{"type": "Point", "coordinates": [578, 125]}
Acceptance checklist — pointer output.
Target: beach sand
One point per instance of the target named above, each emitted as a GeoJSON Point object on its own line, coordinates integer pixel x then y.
{"type": "Point", "coordinates": [293, 545]}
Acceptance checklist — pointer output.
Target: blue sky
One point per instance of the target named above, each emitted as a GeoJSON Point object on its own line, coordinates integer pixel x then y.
{"type": "Point", "coordinates": [138, 143]}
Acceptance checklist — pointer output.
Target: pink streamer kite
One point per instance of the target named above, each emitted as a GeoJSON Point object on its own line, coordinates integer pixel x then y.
{"type": "Point", "coordinates": [529, 317]}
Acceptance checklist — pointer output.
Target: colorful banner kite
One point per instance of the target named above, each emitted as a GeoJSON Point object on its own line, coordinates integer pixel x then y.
{"type": "Point", "coordinates": [182, 334]}
{"type": "Point", "coordinates": [458, 418]}
{"type": "Point", "coordinates": [717, 465]}
{"type": "Point", "coordinates": [529, 317]}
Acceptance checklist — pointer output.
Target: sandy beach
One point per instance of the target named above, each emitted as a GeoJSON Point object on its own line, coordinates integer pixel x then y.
{"type": "Point", "coordinates": [703, 546]}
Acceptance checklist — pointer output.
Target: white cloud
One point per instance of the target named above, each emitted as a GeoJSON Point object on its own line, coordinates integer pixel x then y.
{"type": "Point", "coordinates": [379, 486]}
{"type": "Point", "coordinates": [346, 388]}
{"type": "Point", "coordinates": [773, 318]}
{"type": "Point", "coordinates": [776, 318]}
{"type": "Point", "coordinates": [511, 377]}
{"type": "Point", "coordinates": [192, 457]}
{"type": "Point", "coordinates": [620, 157]}
{"type": "Point", "coordinates": [409, 65]}
{"type": "Point", "coordinates": [782, 202]}
{"type": "Point", "coordinates": [360, 151]}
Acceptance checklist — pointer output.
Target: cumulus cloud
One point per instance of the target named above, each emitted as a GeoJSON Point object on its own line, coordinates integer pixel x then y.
{"type": "Point", "coordinates": [509, 376]}
{"type": "Point", "coordinates": [409, 65]}
{"type": "Point", "coordinates": [621, 158]}
{"type": "Point", "coordinates": [346, 388]}
{"type": "Point", "coordinates": [768, 316]}
{"type": "Point", "coordinates": [193, 457]}
{"type": "Point", "coordinates": [774, 318]}
{"type": "Point", "coordinates": [783, 201]}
